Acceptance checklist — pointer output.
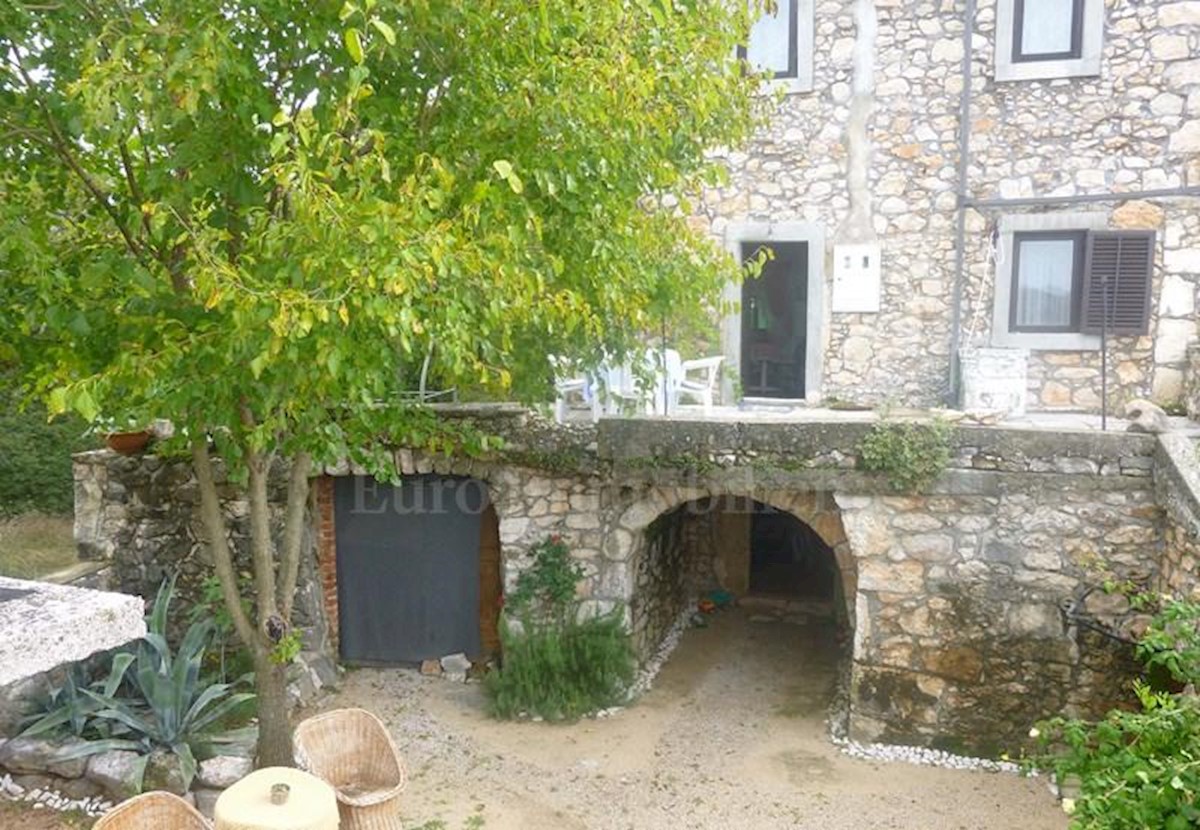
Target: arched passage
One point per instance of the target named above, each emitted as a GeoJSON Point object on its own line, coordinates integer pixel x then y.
{"type": "Point", "coordinates": [783, 552]}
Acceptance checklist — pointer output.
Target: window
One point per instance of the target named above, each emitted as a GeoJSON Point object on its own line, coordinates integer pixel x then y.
{"type": "Point", "coordinates": [1047, 281]}
{"type": "Point", "coordinates": [1048, 38]}
{"type": "Point", "coordinates": [772, 46]}
{"type": "Point", "coordinates": [1062, 279]}
{"type": "Point", "coordinates": [1047, 30]}
{"type": "Point", "coordinates": [781, 43]}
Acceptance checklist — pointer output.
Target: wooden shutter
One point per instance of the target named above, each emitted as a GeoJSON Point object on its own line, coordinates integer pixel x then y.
{"type": "Point", "coordinates": [1119, 265]}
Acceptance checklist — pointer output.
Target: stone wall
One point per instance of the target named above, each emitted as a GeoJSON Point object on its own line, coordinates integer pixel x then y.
{"type": "Point", "coordinates": [973, 605]}
{"type": "Point", "coordinates": [1134, 127]}
{"type": "Point", "coordinates": [1177, 481]}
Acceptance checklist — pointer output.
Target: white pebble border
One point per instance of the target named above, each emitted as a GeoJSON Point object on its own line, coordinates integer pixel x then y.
{"type": "Point", "coordinates": [41, 799]}
{"type": "Point", "coordinates": [645, 679]}
{"type": "Point", "coordinates": [921, 756]}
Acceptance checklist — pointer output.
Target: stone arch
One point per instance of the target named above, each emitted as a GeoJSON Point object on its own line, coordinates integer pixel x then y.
{"type": "Point", "coordinates": [630, 539]}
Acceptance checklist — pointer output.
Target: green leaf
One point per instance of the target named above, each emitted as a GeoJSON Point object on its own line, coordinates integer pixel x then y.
{"type": "Point", "coordinates": [384, 29]}
{"type": "Point", "coordinates": [503, 168]}
{"type": "Point", "coordinates": [353, 40]}
{"type": "Point", "coordinates": [57, 402]}
{"type": "Point", "coordinates": [85, 405]}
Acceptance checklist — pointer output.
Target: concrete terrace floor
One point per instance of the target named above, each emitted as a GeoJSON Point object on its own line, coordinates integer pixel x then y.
{"type": "Point", "coordinates": [732, 736]}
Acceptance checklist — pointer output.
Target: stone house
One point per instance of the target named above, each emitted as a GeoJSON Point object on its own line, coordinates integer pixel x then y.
{"type": "Point", "coordinates": [1015, 222]}
{"type": "Point", "coordinates": [917, 219]}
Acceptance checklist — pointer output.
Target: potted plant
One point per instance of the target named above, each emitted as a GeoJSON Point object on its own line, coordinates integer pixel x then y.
{"type": "Point", "coordinates": [130, 440]}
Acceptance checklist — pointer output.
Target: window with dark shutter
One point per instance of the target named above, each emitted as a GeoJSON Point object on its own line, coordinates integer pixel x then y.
{"type": "Point", "coordinates": [1116, 285]}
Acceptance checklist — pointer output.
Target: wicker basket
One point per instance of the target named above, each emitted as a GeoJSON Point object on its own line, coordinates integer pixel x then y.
{"type": "Point", "coordinates": [351, 750]}
{"type": "Point", "coordinates": [159, 810]}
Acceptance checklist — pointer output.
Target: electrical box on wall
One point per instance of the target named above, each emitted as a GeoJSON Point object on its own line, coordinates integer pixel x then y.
{"type": "Point", "coordinates": [856, 282]}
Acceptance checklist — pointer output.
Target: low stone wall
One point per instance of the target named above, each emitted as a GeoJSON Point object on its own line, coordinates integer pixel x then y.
{"type": "Point", "coordinates": [1177, 483]}
{"type": "Point", "coordinates": [975, 606]}
{"type": "Point", "coordinates": [40, 772]}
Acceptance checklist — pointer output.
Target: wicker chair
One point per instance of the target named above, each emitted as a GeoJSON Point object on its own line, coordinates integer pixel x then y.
{"type": "Point", "coordinates": [160, 810]}
{"type": "Point", "coordinates": [352, 751]}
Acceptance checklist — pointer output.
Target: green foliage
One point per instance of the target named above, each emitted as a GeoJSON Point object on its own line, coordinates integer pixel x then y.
{"type": "Point", "coordinates": [562, 671]}
{"type": "Point", "coordinates": [280, 210]}
{"type": "Point", "coordinates": [911, 454]}
{"type": "Point", "coordinates": [1137, 769]}
{"type": "Point", "coordinates": [545, 591]}
{"type": "Point", "coordinates": [154, 699]}
{"type": "Point", "coordinates": [35, 456]}
{"type": "Point", "coordinates": [557, 666]}
{"type": "Point", "coordinates": [228, 658]}
{"type": "Point", "coordinates": [1172, 641]}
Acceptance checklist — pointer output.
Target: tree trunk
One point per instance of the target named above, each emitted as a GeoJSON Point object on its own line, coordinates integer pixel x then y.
{"type": "Point", "coordinates": [274, 729]}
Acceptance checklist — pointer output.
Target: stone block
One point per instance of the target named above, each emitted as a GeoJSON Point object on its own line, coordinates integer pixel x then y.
{"type": "Point", "coordinates": [37, 756]}
{"type": "Point", "coordinates": [224, 771]}
{"type": "Point", "coordinates": [116, 772]}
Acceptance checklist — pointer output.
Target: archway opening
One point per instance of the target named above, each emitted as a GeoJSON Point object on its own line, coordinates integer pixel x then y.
{"type": "Point", "coordinates": [761, 556]}
{"type": "Point", "coordinates": [788, 559]}
{"type": "Point", "coordinates": [779, 647]}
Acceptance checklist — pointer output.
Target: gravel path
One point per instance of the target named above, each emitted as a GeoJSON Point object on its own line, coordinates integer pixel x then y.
{"type": "Point", "coordinates": [731, 736]}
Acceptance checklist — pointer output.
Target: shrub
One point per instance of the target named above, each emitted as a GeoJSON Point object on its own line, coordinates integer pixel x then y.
{"type": "Point", "coordinates": [563, 671]}
{"type": "Point", "coordinates": [912, 455]}
{"type": "Point", "coordinates": [1137, 769]}
{"type": "Point", "coordinates": [153, 699]}
{"type": "Point", "coordinates": [557, 666]}
{"type": "Point", "coordinates": [35, 457]}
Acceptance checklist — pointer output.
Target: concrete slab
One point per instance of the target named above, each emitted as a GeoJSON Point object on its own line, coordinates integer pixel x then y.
{"type": "Point", "coordinates": [44, 625]}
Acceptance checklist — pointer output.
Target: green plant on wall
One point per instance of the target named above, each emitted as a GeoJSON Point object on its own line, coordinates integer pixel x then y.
{"type": "Point", "coordinates": [1137, 769]}
{"type": "Point", "coordinates": [911, 455]}
{"type": "Point", "coordinates": [558, 664]}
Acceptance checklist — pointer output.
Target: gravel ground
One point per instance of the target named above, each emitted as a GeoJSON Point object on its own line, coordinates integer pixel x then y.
{"type": "Point", "coordinates": [731, 736]}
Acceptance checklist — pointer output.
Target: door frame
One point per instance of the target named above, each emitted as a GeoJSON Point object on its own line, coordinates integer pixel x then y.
{"type": "Point", "coordinates": [811, 233]}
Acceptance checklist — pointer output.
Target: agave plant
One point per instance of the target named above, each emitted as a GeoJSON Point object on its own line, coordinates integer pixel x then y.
{"type": "Point", "coordinates": [156, 700]}
{"type": "Point", "coordinates": [70, 710]}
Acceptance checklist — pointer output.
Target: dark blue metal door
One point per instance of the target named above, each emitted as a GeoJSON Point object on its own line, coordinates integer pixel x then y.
{"type": "Point", "coordinates": [408, 568]}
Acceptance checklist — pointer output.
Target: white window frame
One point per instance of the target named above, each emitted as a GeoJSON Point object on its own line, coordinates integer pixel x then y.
{"type": "Point", "coordinates": [731, 326]}
{"type": "Point", "coordinates": [804, 23]}
{"type": "Point", "coordinates": [1002, 301]}
{"type": "Point", "coordinates": [1087, 64]}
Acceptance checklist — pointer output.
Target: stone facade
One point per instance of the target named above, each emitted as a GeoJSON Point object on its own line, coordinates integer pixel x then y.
{"type": "Point", "coordinates": [973, 606]}
{"type": "Point", "coordinates": [1134, 127]}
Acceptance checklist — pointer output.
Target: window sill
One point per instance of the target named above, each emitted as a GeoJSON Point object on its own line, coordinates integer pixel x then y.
{"type": "Point", "coordinates": [1047, 341]}
{"type": "Point", "coordinates": [786, 86]}
{"type": "Point", "coordinates": [1048, 70]}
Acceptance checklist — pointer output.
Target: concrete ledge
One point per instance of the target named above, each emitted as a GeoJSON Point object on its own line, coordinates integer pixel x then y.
{"type": "Point", "coordinates": [44, 625]}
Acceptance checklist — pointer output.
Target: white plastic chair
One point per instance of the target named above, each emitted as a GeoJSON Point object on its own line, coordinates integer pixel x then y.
{"type": "Point", "coordinates": [567, 386]}
{"type": "Point", "coordinates": [702, 388]}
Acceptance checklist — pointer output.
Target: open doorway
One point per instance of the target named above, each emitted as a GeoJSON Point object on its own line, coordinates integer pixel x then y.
{"type": "Point", "coordinates": [787, 558]}
{"type": "Point", "coordinates": [774, 330]}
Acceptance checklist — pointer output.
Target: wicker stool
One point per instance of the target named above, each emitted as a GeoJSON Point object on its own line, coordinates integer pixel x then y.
{"type": "Point", "coordinates": [160, 810]}
{"type": "Point", "coordinates": [352, 751]}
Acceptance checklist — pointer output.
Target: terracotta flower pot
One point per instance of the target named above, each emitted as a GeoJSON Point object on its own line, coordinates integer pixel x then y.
{"type": "Point", "coordinates": [128, 443]}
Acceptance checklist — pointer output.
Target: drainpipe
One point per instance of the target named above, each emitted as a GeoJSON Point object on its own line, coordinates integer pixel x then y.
{"type": "Point", "coordinates": [960, 225]}
{"type": "Point", "coordinates": [858, 226]}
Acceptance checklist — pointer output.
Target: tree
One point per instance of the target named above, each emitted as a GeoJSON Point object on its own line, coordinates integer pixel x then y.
{"type": "Point", "coordinates": [256, 218]}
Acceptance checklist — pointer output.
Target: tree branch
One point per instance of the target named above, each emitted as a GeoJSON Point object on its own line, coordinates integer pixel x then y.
{"type": "Point", "coordinates": [214, 523]}
{"type": "Point", "coordinates": [293, 531]}
{"type": "Point", "coordinates": [63, 148]}
{"type": "Point", "coordinates": [262, 548]}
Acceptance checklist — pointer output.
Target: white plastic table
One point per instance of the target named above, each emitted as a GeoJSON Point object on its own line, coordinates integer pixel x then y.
{"type": "Point", "coordinates": [310, 803]}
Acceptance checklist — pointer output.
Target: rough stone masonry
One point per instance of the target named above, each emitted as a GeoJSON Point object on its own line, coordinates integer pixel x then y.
{"type": "Point", "coordinates": [974, 608]}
